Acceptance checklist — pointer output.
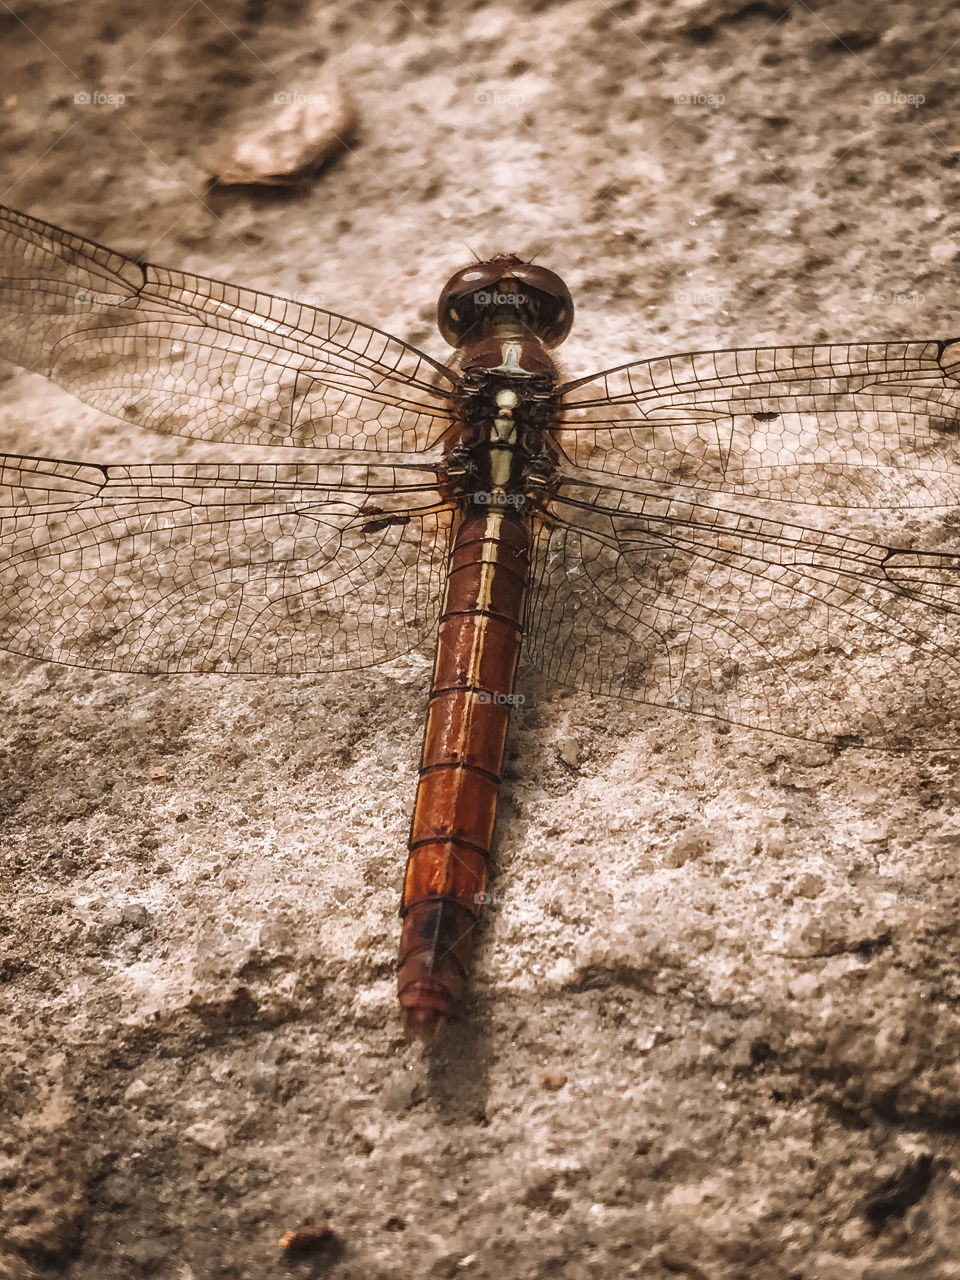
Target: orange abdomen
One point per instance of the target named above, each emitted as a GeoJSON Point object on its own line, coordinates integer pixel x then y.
{"type": "Point", "coordinates": [477, 651]}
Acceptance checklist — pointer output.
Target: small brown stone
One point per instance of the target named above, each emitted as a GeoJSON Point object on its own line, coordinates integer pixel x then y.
{"type": "Point", "coordinates": [309, 1238]}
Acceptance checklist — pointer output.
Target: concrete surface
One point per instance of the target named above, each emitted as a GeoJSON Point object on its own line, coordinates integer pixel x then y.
{"type": "Point", "coordinates": [715, 1026]}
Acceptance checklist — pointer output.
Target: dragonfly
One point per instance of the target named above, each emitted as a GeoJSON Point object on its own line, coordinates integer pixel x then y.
{"type": "Point", "coordinates": [767, 537]}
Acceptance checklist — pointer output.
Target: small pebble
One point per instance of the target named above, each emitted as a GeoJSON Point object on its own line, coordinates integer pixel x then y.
{"type": "Point", "coordinates": [551, 1079]}
{"type": "Point", "coordinates": [804, 987]}
{"type": "Point", "coordinates": [135, 1091]}
{"type": "Point", "coordinates": [400, 1094]}
{"type": "Point", "coordinates": [292, 136]}
{"type": "Point", "coordinates": [207, 1134]}
{"type": "Point", "coordinates": [811, 886]}
{"type": "Point", "coordinates": [309, 1238]}
{"type": "Point", "coordinates": [692, 843]}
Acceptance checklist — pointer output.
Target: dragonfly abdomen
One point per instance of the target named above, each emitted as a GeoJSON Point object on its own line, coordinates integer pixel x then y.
{"type": "Point", "coordinates": [477, 651]}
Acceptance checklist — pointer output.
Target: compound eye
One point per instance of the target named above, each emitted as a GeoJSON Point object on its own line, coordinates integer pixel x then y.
{"type": "Point", "coordinates": [555, 318]}
{"type": "Point", "coordinates": [449, 320]}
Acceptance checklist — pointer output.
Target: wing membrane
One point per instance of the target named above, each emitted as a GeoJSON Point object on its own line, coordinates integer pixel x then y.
{"type": "Point", "coordinates": [218, 567]}
{"type": "Point", "coordinates": [194, 357]}
{"type": "Point", "coordinates": [842, 425]}
{"type": "Point", "coordinates": [747, 618]}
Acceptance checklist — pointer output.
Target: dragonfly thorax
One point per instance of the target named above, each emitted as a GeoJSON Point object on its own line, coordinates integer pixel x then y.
{"type": "Point", "coordinates": [503, 455]}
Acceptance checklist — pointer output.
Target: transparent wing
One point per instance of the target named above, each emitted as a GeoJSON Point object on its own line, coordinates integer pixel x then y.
{"type": "Point", "coordinates": [782, 626]}
{"type": "Point", "coordinates": [195, 357]}
{"type": "Point", "coordinates": [218, 567]}
{"type": "Point", "coordinates": [843, 425]}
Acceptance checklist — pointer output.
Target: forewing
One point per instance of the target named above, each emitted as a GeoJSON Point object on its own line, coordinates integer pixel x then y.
{"type": "Point", "coordinates": [842, 425]}
{"type": "Point", "coordinates": [218, 567]}
{"type": "Point", "coordinates": [194, 357]}
{"type": "Point", "coordinates": [749, 619]}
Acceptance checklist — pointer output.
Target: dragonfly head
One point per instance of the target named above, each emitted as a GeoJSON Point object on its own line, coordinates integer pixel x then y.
{"type": "Point", "coordinates": [505, 298]}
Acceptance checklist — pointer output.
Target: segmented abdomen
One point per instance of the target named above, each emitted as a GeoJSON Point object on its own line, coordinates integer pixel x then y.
{"type": "Point", "coordinates": [477, 651]}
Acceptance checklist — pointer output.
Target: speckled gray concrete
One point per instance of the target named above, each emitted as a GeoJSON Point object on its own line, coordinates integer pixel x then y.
{"type": "Point", "coordinates": [716, 1007]}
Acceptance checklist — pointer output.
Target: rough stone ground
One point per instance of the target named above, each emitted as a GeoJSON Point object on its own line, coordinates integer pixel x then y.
{"type": "Point", "coordinates": [717, 1008]}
